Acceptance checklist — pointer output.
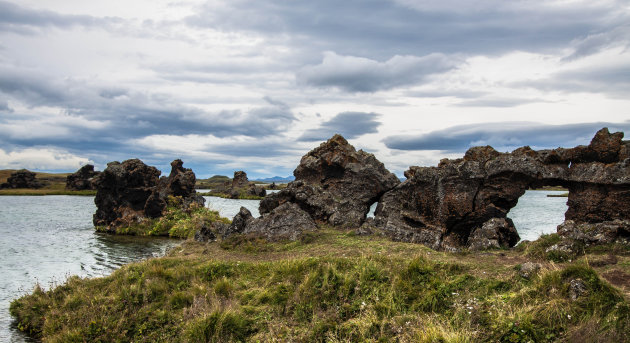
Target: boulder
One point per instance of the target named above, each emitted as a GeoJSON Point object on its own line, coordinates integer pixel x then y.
{"type": "Point", "coordinates": [285, 222]}
{"type": "Point", "coordinates": [22, 179]}
{"type": "Point", "coordinates": [335, 184]}
{"type": "Point", "coordinates": [131, 191]}
{"type": "Point", "coordinates": [596, 233]}
{"type": "Point", "coordinates": [82, 179]}
{"type": "Point", "coordinates": [240, 221]}
{"type": "Point", "coordinates": [453, 204]}
{"type": "Point", "coordinates": [240, 186]}
{"type": "Point", "coordinates": [529, 269]}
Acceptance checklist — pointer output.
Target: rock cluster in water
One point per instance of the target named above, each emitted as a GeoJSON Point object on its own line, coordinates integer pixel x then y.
{"type": "Point", "coordinates": [82, 179]}
{"type": "Point", "coordinates": [132, 191]}
{"type": "Point", "coordinates": [240, 187]}
{"type": "Point", "coordinates": [22, 179]}
{"type": "Point", "coordinates": [460, 203]}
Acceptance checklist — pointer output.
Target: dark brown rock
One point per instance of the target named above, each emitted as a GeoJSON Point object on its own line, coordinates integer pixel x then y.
{"type": "Point", "coordinates": [596, 233]}
{"type": "Point", "coordinates": [240, 186]}
{"type": "Point", "coordinates": [240, 221]}
{"type": "Point", "coordinates": [285, 222]}
{"type": "Point", "coordinates": [240, 180]}
{"type": "Point", "coordinates": [22, 179]}
{"type": "Point", "coordinates": [82, 179]}
{"type": "Point", "coordinates": [335, 184]}
{"type": "Point", "coordinates": [448, 206]}
{"type": "Point", "coordinates": [131, 191]}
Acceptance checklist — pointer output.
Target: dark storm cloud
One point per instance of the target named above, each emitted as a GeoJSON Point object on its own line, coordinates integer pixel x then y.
{"type": "Point", "coordinates": [503, 135]}
{"type": "Point", "coordinates": [379, 29]}
{"type": "Point", "coordinates": [25, 20]}
{"type": "Point", "coordinates": [356, 74]}
{"type": "Point", "coordinates": [348, 124]}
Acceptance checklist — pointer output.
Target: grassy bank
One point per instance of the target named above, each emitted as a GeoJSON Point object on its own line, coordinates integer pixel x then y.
{"type": "Point", "coordinates": [337, 287]}
{"type": "Point", "coordinates": [45, 191]}
{"type": "Point", "coordinates": [54, 184]}
{"type": "Point", "coordinates": [242, 196]}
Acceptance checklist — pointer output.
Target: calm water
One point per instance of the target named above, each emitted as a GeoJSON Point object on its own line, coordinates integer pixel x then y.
{"type": "Point", "coordinates": [45, 239]}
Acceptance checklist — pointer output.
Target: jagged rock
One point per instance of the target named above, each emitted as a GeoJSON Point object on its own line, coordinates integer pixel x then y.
{"type": "Point", "coordinates": [577, 289]}
{"type": "Point", "coordinates": [131, 191]}
{"type": "Point", "coordinates": [209, 231]}
{"type": "Point", "coordinates": [287, 221]}
{"type": "Point", "coordinates": [596, 233]}
{"type": "Point", "coordinates": [180, 183]}
{"type": "Point", "coordinates": [22, 179]}
{"type": "Point", "coordinates": [240, 186]}
{"type": "Point", "coordinates": [529, 269]}
{"type": "Point", "coordinates": [495, 233]}
{"type": "Point", "coordinates": [444, 206]}
{"type": "Point", "coordinates": [240, 221]}
{"type": "Point", "coordinates": [82, 179]}
{"type": "Point", "coordinates": [335, 184]}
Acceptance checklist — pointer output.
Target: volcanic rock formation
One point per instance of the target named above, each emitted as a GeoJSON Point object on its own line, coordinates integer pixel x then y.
{"type": "Point", "coordinates": [22, 179]}
{"type": "Point", "coordinates": [335, 184]}
{"type": "Point", "coordinates": [240, 186]}
{"type": "Point", "coordinates": [82, 179]}
{"type": "Point", "coordinates": [464, 202]}
{"type": "Point", "coordinates": [131, 191]}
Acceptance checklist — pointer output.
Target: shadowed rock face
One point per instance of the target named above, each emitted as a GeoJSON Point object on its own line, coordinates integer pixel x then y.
{"type": "Point", "coordinates": [131, 191]}
{"type": "Point", "coordinates": [240, 186]}
{"type": "Point", "coordinates": [83, 178]}
{"type": "Point", "coordinates": [458, 202]}
{"type": "Point", "coordinates": [335, 184]}
{"type": "Point", "coordinates": [22, 179]}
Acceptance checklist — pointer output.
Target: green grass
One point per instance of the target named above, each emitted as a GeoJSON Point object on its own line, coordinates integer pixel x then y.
{"type": "Point", "coordinates": [45, 191]}
{"type": "Point", "coordinates": [331, 287]}
{"type": "Point", "coordinates": [176, 222]}
{"type": "Point", "coordinates": [54, 184]}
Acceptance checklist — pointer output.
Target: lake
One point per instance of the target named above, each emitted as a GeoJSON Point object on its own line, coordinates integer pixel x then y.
{"type": "Point", "coordinates": [44, 239]}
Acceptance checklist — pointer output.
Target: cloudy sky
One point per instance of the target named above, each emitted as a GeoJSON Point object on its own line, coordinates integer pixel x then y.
{"type": "Point", "coordinates": [232, 84]}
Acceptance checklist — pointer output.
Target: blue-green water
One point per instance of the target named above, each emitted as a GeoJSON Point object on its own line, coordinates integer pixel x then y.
{"type": "Point", "coordinates": [47, 238]}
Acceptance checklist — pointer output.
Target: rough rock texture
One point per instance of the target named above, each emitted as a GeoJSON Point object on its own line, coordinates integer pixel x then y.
{"type": "Point", "coordinates": [529, 269]}
{"type": "Point", "coordinates": [596, 233]}
{"type": "Point", "coordinates": [448, 206]}
{"type": "Point", "coordinates": [287, 221]}
{"type": "Point", "coordinates": [335, 184]}
{"type": "Point", "coordinates": [22, 179]}
{"type": "Point", "coordinates": [82, 179]}
{"type": "Point", "coordinates": [180, 182]}
{"type": "Point", "coordinates": [240, 221]}
{"type": "Point", "coordinates": [131, 191]}
{"type": "Point", "coordinates": [495, 233]}
{"type": "Point", "coordinates": [240, 186]}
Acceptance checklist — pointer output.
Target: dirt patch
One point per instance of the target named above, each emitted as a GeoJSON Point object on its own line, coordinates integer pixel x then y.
{"type": "Point", "coordinates": [604, 261]}
{"type": "Point", "coordinates": [618, 278]}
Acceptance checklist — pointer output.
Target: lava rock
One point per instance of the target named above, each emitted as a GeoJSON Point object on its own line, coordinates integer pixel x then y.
{"type": "Point", "coordinates": [596, 233]}
{"type": "Point", "coordinates": [577, 289]}
{"type": "Point", "coordinates": [529, 269]}
{"type": "Point", "coordinates": [285, 222]}
{"type": "Point", "coordinates": [447, 206]}
{"type": "Point", "coordinates": [82, 179]}
{"type": "Point", "coordinates": [240, 221]}
{"type": "Point", "coordinates": [335, 184]}
{"type": "Point", "coordinates": [22, 179]}
{"type": "Point", "coordinates": [495, 233]}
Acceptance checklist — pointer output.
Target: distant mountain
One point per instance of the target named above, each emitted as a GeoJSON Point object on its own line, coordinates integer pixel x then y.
{"type": "Point", "coordinates": [277, 179]}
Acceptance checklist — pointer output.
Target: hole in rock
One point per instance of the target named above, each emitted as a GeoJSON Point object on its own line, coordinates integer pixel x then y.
{"type": "Point", "coordinates": [536, 213]}
{"type": "Point", "coordinates": [370, 213]}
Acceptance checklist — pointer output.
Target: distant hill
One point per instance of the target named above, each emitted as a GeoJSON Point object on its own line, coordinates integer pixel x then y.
{"type": "Point", "coordinates": [277, 179]}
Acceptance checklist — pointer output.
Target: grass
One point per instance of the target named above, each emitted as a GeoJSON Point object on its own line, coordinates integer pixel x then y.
{"type": "Point", "coordinates": [242, 195]}
{"type": "Point", "coordinates": [332, 286]}
{"type": "Point", "coordinates": [176, 222]}
{"type": "Point", "coordinates": [54, 184]}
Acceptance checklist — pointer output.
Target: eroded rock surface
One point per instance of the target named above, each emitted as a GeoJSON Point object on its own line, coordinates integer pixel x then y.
{"type": "Point", "coordinates": [450, 206]}
{"type": "Point", "coordinates": [22, 179]}
{"type": "Point", "coordinates": [240, 187]}
{"type": "Point", "coordinates": [285, 222]}
{"type": "Point", "coordinates": [335, 184]}
{"type": "Point", "coordinates": [132, 191]}
{"type": "Point", "coordinates": [82, 179]}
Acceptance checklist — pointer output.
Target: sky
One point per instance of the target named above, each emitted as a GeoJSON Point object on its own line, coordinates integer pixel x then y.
{"type": "Point", "coordinates": [230, 85]}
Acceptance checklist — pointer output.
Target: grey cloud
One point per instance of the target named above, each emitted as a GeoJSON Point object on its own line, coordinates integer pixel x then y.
{"type": "Point", "coordinates": [456, 93]}
{"type": "Point", "coordinates": [348, 124]}
{"type": "Point", "coordinates": [355, 74]}
{"type": "Point", "coordinates": [503, 136]}
{"type": "Point", "coordinates": [498, 102]}
{"type": "Point", "coordinates": [596, 42]}
{"type": "Point", "coordinates": [4, 107]}
{"type": "Point", "coordinates": [24, 20]}
{"type": "Point", "coordinates": [379, 29]}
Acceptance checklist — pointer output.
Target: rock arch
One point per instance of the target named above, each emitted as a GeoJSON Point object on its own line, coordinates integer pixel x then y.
{"type": "Point", "coordinates": [464, 202]}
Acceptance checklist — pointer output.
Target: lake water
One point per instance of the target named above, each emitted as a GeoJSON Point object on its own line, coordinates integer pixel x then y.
{"type": "Point", "coordinates": [45, 239]}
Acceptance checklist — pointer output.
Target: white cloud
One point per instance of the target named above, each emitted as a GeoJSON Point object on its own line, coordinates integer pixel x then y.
{"type": "Point", "coordinates": [43, 159]}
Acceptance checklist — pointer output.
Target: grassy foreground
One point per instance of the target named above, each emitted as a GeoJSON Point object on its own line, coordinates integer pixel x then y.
{"type": "Point", "coordinates": [334, 287]}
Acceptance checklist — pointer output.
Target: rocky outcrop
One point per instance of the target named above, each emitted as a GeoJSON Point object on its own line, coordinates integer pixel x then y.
{"type": "Point", "coordinates": [22, 179]}
{"type": "Point", "coordinates": [285, 222]}
{"type": "Point", "coordinates": [82, 179]}
{"type": "Point", "coordinates": [335, 184]}
{"type": "Point", "coordinates": [240, 187]}
{"type": "Point", "coordinates": [131, 191]}
{"type": "Point", "coordinates": [464, 202]}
